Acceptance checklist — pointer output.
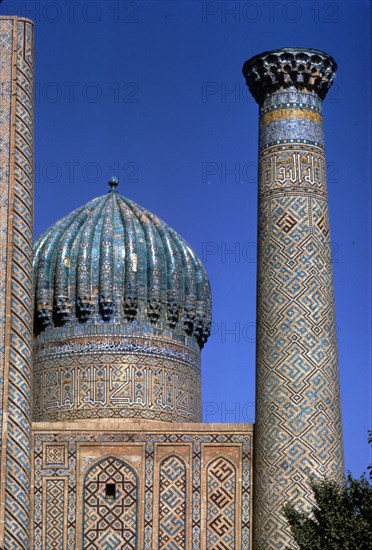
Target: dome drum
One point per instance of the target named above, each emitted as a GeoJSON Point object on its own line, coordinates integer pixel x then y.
{"type": "Point", "coordinates": [116, 376]}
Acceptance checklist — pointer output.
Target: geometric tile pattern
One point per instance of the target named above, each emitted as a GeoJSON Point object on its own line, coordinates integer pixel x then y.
{"type": "Point", "coordinates": [55, 514]}
{"type": "Point", "coordinates": [298, 421]}
{"type": "Point", "coordinates": [110, 506]}
{"type": "Point", "coordinates": [16, 221]}
{"type": "Point", "coordinates": [55, 455]}
{"type": "Point", "coordinates": [172, 504]}
{"type": "Point", "coordinates": [221, 502]}
{"type": "Point", "coordinates": [171, 476]}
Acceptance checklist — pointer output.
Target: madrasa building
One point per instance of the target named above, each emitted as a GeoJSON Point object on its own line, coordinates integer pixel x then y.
{"type": "Point", "coordinates": [102, 324]}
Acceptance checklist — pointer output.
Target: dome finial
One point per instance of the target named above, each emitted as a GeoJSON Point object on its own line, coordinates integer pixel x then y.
{"type": "Point", "coordinates": [113, 183]}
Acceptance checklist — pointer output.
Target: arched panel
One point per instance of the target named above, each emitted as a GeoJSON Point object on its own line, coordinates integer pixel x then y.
{"type": "Point", "coordinates": [172, 504]}
{"type": "Point", "coordinates": [221, 502]}
{"type": "Point", "coordinates": [110, 506]}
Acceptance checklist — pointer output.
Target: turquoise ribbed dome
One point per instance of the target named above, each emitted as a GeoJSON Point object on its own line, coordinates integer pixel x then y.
{"type": "Point", "coordinates": [112, 261]}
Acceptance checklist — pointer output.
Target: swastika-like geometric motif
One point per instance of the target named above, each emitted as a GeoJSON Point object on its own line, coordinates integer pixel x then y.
{"type": "Point", "coordinates": [298, 421]}
{"type": "Point", "coordinates": [16, 222]}
{"type": "Point", "coordinates": [148, 507]}
{"type": "Point", "coordinates": [110, 518]}
{"type": "Point", "coordinates": [172, 504]}
{"type": "Point", "coordinates": [221, 502]}
{"type": "Point", "coordinates": [286, 222]}
{"type": "Point", "coordinates": [323, 225]}
{"type": "Point", "coordinates": [55, 514]}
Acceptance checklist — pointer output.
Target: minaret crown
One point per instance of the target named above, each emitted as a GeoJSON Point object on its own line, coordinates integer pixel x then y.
{"type": "Point", "coordinates": [302, 68]}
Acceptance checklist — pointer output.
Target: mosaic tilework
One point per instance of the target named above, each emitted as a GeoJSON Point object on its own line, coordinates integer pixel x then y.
{"type": "Point", "coordinates": [300, 120]}
{"type": "Point", "coordinates": [172, 504]}
{"type": "Point", "coordinates": [221, 505]}
{"type": "Point", "coordinates": [110, 519]}
{"type": "Point", "coordinates": [6, 34]}
{"type": "Point", "coordinates": [278, 113]}
{"type": "Point", "coordinates": [292, 168]}
{"type": "Point", "coordinates": [169, 471]}
{"type": "Point", "coordinates": [16, 201]}
{"type": "Point", "coordinates": [298, 422]}
{"type": "Point", "coordinates": [55, 455]}
{"type": "Point", "coordinates": [111, 260]}
{"type": "Point", "coordinates": [54, 500]}
{"type": "Point", "coordinates": [155, 378]}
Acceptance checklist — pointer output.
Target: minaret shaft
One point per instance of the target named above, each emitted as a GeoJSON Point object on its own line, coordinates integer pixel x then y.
{"type": "Point", "coordinates": [298, 420]}
{"type": "Point", "coordinates": [16, 220]}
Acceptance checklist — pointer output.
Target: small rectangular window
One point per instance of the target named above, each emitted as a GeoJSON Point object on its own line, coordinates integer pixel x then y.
{"type": "Point", "coordinates": [110, 490]}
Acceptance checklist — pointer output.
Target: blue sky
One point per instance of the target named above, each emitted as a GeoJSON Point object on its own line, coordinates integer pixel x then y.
{"type": "Point", "coordinates": [152, 92]}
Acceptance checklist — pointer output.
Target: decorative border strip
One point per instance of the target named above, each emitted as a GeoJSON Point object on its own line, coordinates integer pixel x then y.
{"type": "Point", "coordinates": [59, 539]}
{"type": "Point", "coordinates": [281, 114]}
{"type": "Point", "coordinates": [292, 142]}
{"type": "Point", "coordinates": [123, 346]}
{"type": "Point", "coordinates": [293, 105]}
{"type": "Point", "coordinates": [294, 192]}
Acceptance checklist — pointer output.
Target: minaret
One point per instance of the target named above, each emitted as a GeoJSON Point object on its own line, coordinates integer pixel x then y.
{"type": "Point", "coordinates": [298, 421]}
{"type": "Point", "coordinates": [16, 220]}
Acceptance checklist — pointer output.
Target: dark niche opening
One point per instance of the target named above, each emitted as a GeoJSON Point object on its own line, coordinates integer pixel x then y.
{"type": "Point", "coordinates": [110, 490]}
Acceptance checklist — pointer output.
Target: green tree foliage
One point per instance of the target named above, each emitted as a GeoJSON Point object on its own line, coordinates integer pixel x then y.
{"type": "Point", "coordinates": [341, 517]}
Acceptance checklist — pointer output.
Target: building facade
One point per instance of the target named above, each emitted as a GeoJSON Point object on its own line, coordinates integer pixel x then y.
{"type": "Point", "coordinates": [106, 322]}
{"type": "Point", "coordinates": [121, 458]}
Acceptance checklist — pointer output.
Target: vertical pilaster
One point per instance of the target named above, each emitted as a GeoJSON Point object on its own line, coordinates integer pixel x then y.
{"type": "Point", "coordinates": [298, 420]}
{"type": "Point", "coordinates": [16, 220]}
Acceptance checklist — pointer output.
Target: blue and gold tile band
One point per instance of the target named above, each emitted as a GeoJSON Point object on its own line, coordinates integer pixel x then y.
{"type": "Point", "coordinates": [298, 422]}
{"type": "Point", "coordinates": [286, 113]}
{"type": "Point", "coordinates": [286, 119]}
